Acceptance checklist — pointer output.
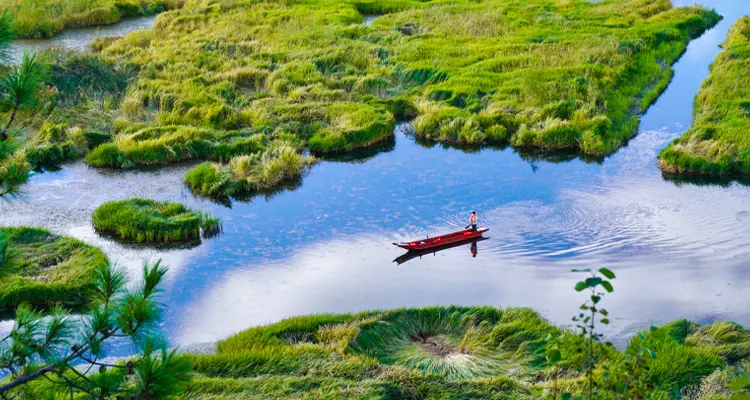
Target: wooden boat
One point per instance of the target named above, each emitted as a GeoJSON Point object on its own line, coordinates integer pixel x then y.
{"type": "Point", "coordinates": [437, 241]}
{"type": "Point", "coordinates": [412, 254]}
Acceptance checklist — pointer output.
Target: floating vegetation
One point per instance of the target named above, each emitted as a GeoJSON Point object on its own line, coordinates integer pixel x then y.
{"type": "Point", "coordinates": [143, 220]}
{"type": "Point", "coordinates": [41, 268]}
{"type": "Point", "coordinates": [718, 142]}
{"type": "Point", "coordinates": [553, 75]}
{"type": "Point", "coordinates": [457, 352]}
{"type": "Point", "coordinates": [38, 19]}
{"type": "Point", "coordinates": [248, 174]}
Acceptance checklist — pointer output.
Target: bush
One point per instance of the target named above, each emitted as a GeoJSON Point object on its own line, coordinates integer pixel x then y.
{"type": "Point", "coordinates": [143, 220]}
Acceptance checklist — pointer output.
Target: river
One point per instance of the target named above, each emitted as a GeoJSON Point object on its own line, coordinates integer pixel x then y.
{"type": "Point", "coordinates": [680, 249]}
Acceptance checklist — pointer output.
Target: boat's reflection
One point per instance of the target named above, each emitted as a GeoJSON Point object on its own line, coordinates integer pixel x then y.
{"type": "Point", "coordinates": [412, 254]}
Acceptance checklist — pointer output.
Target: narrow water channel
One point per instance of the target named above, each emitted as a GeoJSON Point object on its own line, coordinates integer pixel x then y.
{"type": "Point", "coordinates": [80, 39]}
{"type": "Point", "coordinates": [680, 249]}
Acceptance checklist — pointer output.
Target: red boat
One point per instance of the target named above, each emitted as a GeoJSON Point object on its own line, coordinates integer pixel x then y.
{"type": "Point", "coordinates": [437, 241]}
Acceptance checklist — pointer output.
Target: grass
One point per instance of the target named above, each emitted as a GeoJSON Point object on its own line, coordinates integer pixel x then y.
{"type": "Point", "coordinates": [260, 172]}
{"type": "Point", "coordinates": [73, 114]}
{"type": "Point", "coordinates": [718, 142]}
{"type": "Point", "coordinates": [143, 220]}
{"type": "Point", "coordinates": [450, 352]}
{"type": "Point", "coordinates": [37, 19]}
{"type": "Point", "coordinates": [43, 269]}
{"type": "Point", "coordinates": [545, 74]}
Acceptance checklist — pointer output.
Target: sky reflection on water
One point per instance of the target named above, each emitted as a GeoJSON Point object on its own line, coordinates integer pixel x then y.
{"type": "Point", "coordinates": [679, 249]}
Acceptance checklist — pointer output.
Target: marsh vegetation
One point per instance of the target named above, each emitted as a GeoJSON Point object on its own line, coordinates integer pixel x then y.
{"type": "Point", "coordinates": [42, 269]}
{"type": "Point", "coordinates": [718, 142]}
{"type": "Point", "coordinates": [150, 221]}
{"type": "Point", "coordinates": [39, 19]}
{"type": "Point", "coordinates": [468, 352]}
{"type": "Point", "coordinates": [532, 73]}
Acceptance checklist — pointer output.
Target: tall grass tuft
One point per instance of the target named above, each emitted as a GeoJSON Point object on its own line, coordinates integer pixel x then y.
{"type": "Point", "coordinates": [249, 174]}
{"type": "Point", "coordinates": [143, 220]}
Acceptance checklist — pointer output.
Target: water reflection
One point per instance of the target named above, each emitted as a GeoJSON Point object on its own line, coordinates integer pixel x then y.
{"type": "Point", "coordinates": [680, 250]}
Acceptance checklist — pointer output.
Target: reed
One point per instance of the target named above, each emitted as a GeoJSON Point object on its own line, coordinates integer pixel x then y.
{"type": "Point", "coordinates": [43, 269]}
{"type": "Point", "coordinates": [143, 220]}
{"type": "Point", "coordinates": [718, 142]}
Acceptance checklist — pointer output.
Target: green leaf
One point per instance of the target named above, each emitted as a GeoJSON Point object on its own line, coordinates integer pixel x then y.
{"type": "Point", "coordinates": [596, 299]}
{"type": "Point", "coordinates": [740, 396]}
{"type": "Point", "coordinates": [607, 273]}
{"type": "Point", "coordinates": [608, 286]}
{"type": "Point", "coordinates": [580, 286]}
{"type": "Point", "coordinates": [593, 282]}
{"type": "Point", "coordinates": [605, 321]}
{"type": "Point", "coordinates": [582, 270]}
{"type": "Point", "coordinates": [740, 383]}
{"type": "Point", "coordinates": [554, 356]}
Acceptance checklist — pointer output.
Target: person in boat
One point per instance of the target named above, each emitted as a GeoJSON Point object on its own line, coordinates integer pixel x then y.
{"type": "Point", "coordinates": [473, 221]}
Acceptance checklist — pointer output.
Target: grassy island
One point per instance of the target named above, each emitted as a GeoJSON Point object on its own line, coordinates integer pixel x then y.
{"type": "Point", "coordinates": [41, 268]}
{"type": "Point", "coordinates": [718, 142]}
{"type": "Point", "coordinates": [144, 220]}
{"type": "Point", "coordinates": [255, 173]}
{"type": "Point", "coordinates": [38, 19]}
{"type": "Point", "coordinates": [551, 74]}
{"type": "Point", "coordinates": [458, 352]}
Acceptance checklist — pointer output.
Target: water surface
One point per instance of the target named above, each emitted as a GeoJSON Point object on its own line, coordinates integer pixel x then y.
{"type": "Point", "coordinates": [80, 39]}
{"type": "Point", "coordinates": [679, 248]}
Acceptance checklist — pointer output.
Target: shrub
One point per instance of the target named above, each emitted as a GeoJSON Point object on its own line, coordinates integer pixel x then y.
{"type": "Point", "coordinates": [143, 220]}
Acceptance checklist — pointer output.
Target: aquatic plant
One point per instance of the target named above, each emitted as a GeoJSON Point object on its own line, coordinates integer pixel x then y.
{"type": "Point", "coordinates": [457, 352]}
{"type": "Point", "coordinates": [55, 143]}
{"type": "Point", "coordinates": [42, 269]}
{"type": "Point", "coordinates": [532, 73]}
{"type": "Point", "coordinates": [248, 174]}
{"type": "Point", "coordinates": [144, 220]}
{"type": "Point", "coordinates": [38, 19]}
{"type": "Point", "coordinates": [718, 142]}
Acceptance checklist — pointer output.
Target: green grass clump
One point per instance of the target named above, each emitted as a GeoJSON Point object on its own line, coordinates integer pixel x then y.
{"type": "Point", "coordinates": [718, 142]}
{"type": "Point", "coordinates": [143, 220]}
{"type": "Point", "coordinates": [255, 173]}
{"type": "Point", "coordinates": [56, 143]}
{"type": "Point", "coordinates": [550, 74]}
{"type": "Point", "coordinates": [14, 169]}
{"type": "Point", "coordinates": [41, 268]}
{"type": "Point", "coordinates": [39, 19]}
{"type": "Point", "coordinates": [168, 144]}
{"type": "Point", "coordinates": [455, 352]}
